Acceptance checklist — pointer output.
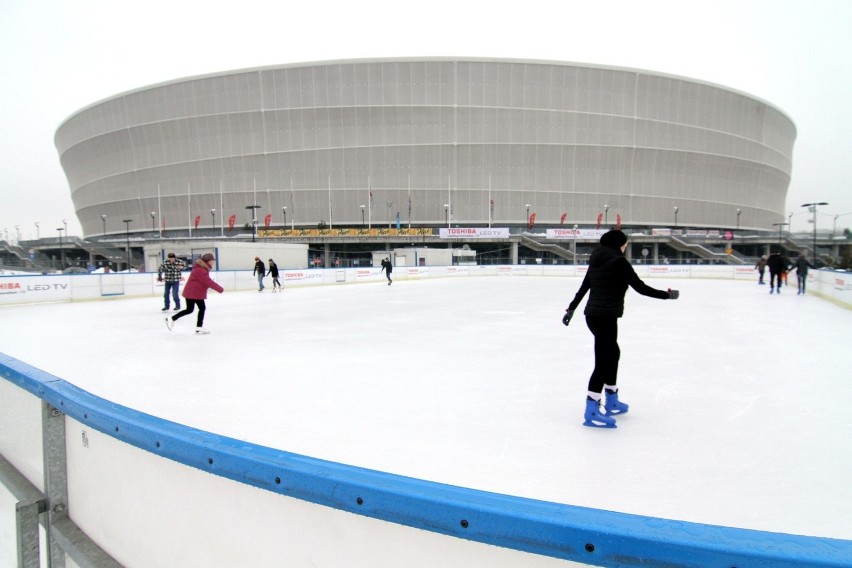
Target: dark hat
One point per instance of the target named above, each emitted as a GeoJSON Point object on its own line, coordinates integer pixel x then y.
{"type": "Point", "coordinates": [171, 255]}
{"type": "Point", "coordinates": [207, 257]}
{"type": "Point", "coordinates": [613, 239]}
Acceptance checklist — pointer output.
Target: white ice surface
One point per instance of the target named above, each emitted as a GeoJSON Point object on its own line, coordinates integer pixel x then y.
{"type": "Point", "coordinates": [740, 402]}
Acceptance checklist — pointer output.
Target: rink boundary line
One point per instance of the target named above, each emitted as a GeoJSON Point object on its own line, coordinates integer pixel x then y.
{"type": "Point", "coordinates": [833, 286]}
{"type": "Point", "coordinates": [579, 534]}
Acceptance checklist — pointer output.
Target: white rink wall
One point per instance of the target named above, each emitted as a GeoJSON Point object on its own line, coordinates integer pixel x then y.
{"type": "Point", "coordinates": [23, 289]}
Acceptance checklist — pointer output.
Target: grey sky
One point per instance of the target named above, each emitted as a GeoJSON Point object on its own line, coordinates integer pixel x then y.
{"type": "Point", "coordinates": [57, 57]}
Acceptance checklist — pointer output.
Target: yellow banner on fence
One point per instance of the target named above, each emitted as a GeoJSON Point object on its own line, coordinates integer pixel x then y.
{"type": "Point", "coordinates": [376, 232]}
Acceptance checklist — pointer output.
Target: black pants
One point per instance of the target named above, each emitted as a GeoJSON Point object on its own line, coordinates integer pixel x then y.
{"type": "Point", "coordinates": [190, 306]}
{"type": "Point", "coordinates": [774, 279]}
{"type": "Point", "coordinates": [607, 353]}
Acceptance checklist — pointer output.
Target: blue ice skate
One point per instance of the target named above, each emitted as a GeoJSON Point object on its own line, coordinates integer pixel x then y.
{"type": "Point", "coordinates": [614, 406]}
{"type": "Point", "coordinates": [594, 418]}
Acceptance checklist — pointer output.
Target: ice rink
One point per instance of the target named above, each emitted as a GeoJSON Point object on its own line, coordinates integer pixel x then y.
{"type": "Point", "coordinates": [740, 402]}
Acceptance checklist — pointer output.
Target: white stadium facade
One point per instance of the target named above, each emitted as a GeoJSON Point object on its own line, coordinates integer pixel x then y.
{"type": "Point", "coordinates": [440, 141]}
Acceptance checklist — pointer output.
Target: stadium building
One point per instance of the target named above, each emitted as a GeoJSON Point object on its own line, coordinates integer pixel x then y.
{"type": "Point", "coordinates": [412, 145]}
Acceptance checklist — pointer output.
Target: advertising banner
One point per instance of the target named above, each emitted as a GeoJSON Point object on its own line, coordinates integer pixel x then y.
{"type": "Point", "coordinates": [25, 289]}
{"type": "Point", "coordinates": [474, 233]}
{"type": "Point", "coordinates": [574, 233]}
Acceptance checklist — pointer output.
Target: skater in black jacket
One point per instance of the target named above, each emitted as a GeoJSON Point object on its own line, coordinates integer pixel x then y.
{"type": "Point", "coordinates": [801, 265]}
{"type": "Point", "coordinates": [777, 265]}
{"type": "Point", "coordinates": [607, 279]}
{"type": "Point", "coordinates": [273, 271]}
{"type": "Point", "coordinates": [260, 272]}
{"type": "Point", "coordinates": [388, 268]}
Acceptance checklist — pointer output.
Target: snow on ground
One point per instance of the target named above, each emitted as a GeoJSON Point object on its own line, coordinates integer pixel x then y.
{"type": "Point", "coordinates": [740, 401]}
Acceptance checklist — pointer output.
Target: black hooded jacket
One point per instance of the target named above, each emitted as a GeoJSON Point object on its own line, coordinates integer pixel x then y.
{"type": "Point", "coordinates": [608, 277]}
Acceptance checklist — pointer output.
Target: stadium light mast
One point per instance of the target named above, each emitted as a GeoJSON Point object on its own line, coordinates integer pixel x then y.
{"type": "Point", "coordinates": [606, 215]}
{"type": "Point", "coordinates": [254, 209]}
{"type": "Point", "coordinates": [780, 226]}
{"type": "Point", "coordinates": [61, 250]}
{"type": "Point", "coordinates": [103, 222]}
{"type": "Point", "coordinates": [812, 207]}
{"type": "Point", "coordinates": [675, 212]}
{"type": "Point", "coordinates": [127, 233]}
{"type": "Point", "coordinates": [36, 226]}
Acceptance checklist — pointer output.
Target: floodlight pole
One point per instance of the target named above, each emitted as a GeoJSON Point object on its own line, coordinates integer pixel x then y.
{"type": "Point", "coordinates": [127, 233]}
{"type": "Point", "coordinates": [254, 209]}
{"type": "Point", "coordinates": [813, 208]}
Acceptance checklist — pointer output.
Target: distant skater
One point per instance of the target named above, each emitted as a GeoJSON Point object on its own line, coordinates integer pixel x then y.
{"type": "Point", "coordinates": [169, 272]}
{"type": "Point", "coordinates": [273, 271]}
{"type": "Point", "coordinates": [761, 268]}
{"type": "Point", "coordinates": [388, 268]}
{"type": "Point", "coordinates": [777, 264]}
{"type": "Point", "coordinates": [607, 279]}
{"type": "Point", "coordinates": [195, 292]}
{"type": "Point", "coordinates": [801, 265]}
{"type": "Point", "coordinates": [260, 272]}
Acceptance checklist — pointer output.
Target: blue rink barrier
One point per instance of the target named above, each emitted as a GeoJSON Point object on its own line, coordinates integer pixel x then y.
{"type": "Point", "coordinates": [578, 534]}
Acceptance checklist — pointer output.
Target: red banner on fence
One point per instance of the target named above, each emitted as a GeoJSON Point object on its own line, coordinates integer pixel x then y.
{"type": "Point", "coordinates": [532, 221]}
{"type": "Point", "coordinates": [562, 219]}
{"type": "Point", "coordinates": [267, 220]}
{"type": "Point", "coordinates": [231, 220]}
{"type": "Point", "coordinates": [197, 220]}
{"type": "Point", "coordinates": [600, 218]}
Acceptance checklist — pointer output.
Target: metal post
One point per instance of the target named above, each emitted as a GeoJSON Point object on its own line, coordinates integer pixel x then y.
{"type": "Point", "coordinates": [103, 221]}
{"type": "Point", "coordinates": [780, 226]}
{"type": "Point", "coordinates": [254, 209]}
{"type": "Point", "coordinates": [813, 208]}
{"type": "Point", "coordinates": [61, 251]}
{"type": "Point", "coordinates": [127, 233]}
{"type": "Point", "coordinates": [55, 478]}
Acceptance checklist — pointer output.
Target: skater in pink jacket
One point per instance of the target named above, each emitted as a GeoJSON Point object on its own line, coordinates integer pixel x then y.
{"type": "Point", "coordinates": [195, 292]}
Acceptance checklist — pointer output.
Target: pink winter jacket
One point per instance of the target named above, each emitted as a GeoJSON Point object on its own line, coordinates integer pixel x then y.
{"type": "Point", "coordinates": [199, 281]}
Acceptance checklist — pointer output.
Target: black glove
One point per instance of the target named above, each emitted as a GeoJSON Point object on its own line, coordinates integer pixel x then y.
{"type": "Point", "coordinates": [674, 294]}
{"type": "Point", "coordinates": [566, 319]}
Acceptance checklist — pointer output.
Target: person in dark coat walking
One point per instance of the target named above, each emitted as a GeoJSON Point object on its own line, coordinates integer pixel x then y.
{"type": "Point", "coordinates": [607, 279]}
{"type": "Point", "coordinates": [260, 272]}
{"type": "Point", "coordinates": [195, 292]}
{"type": "Point", "coordinates": [273, 271]}
{"type": "Point", "coordinates": [388, 268]}
{"type": "Point", "coordinates": [777, 265]}
{"type": "Point", "coordinates": [801, 265]}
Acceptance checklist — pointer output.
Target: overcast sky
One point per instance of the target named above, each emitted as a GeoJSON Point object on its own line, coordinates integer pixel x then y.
{"type": "Point", "coordinates": [58, 56]}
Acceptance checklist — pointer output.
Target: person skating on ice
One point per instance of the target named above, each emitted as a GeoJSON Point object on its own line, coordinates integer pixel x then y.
{"type": "Point", "coordinates": [273, 271]}
{"type": "Point", "coordinates": [801, 265]}
{"type": "Point", "coordinates": [607, 279]}
{"type": "Point", "coordinates": [260, 272]}
{"type": "Point", "coordinates": [760, 266]}
{"type": "Point", "coordinates": [777, 264]}
{"type": "Point", "coordinates": [169, 272]}
{"type": "Point", "coordinates": [195, 292]}
{"type": "Point", "coordinates": [388, 268]}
